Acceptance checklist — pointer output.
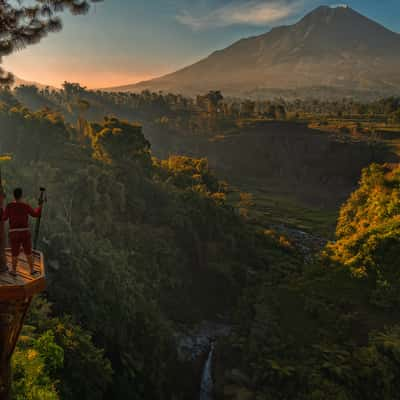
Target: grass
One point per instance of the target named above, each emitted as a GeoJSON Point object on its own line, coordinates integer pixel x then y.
{"type": "Point", "coordinates": [269, 208]}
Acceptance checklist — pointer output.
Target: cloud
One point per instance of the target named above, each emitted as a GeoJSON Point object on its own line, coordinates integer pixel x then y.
{"type": "Point", "coordinates": [250, 12]}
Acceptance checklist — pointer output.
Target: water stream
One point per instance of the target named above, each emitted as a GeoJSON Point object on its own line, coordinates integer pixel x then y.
{"type": "Point", "coordinates": [207, 384]}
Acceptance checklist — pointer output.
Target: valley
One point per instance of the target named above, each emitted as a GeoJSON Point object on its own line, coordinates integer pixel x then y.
{"type": "Point", "coordinates": [285, 159]}
{"type": "Point", "coordinates": [229, 231]}
{"type": "Point", "coordinates": [223, 219]}
{"type": "Point", "coordinates": [299, 159]}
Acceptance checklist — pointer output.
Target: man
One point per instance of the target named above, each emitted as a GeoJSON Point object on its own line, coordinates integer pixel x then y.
{"type": "Point", "coordinates": [18, 214]}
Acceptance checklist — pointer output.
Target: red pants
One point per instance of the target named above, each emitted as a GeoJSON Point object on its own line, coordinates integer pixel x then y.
{"type": "Point", "coordinates": [18, 239]}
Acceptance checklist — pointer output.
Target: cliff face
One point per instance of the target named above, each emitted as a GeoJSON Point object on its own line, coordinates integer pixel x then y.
{"type": "Point", "coordinates": [315, 167]}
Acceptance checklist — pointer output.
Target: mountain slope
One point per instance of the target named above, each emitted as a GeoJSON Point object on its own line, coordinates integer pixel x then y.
{"type": "Point", "coordinates": [329, 47]}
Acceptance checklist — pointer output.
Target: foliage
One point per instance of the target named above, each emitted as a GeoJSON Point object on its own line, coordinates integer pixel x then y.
{"type": "Point", "coordinates": [369, 234]}
{"type": "Point", "coordinates": [330, 331]}
{"type": "Point", "coordinates": [53, 358]}
{"type": "Point", "coordinates": [134, 247]}
{"type": "Point", "coordinates": [185, 172]}
{"type": "Point", "coordinates": [35, 364]}
{"type": "Point", "coordinates": [121, 141]}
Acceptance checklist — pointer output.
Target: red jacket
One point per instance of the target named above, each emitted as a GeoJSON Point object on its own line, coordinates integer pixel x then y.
{"type": "Point", "coordinates": [18, 214]}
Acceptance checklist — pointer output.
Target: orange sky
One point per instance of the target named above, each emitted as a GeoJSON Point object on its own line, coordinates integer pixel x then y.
{"type": "Point", "coordinates": [51, 75]}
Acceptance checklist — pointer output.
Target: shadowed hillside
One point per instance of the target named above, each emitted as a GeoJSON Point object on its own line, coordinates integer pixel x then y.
{"type": "Point", "coordinates": [315, 167]}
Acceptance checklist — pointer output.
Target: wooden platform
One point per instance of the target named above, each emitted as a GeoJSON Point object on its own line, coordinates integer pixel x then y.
{"type": "Point", "coordinates": [23, 285]}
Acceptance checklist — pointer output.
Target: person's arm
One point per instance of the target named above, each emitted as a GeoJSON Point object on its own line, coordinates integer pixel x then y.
{"type": "Point", "coordinates": [35, 213]}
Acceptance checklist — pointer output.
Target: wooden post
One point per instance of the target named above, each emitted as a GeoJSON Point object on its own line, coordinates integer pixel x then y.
{"type": "Point", "coordinates": [3, 261]}
{"type": "Point", "coordinates": [15, 297]}
{"type": "Point", "coordinates": [12, 315]}
{"type": "Point", "coordinates": [5, 366]}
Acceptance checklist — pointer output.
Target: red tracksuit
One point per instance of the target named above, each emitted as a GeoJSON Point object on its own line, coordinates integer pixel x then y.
{"type": "Point", "coordinates": [20, 235]}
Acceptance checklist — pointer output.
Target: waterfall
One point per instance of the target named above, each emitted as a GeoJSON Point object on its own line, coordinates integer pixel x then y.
{"type": "Point", "coordinates": [206, 387]}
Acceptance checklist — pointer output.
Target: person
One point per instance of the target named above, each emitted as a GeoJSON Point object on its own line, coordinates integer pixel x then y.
{"type": "Point", "coordinates": [18, 213]}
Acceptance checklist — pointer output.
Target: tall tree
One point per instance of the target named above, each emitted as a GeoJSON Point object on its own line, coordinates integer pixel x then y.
{"type": "Point", "coordinates": [26, 22]}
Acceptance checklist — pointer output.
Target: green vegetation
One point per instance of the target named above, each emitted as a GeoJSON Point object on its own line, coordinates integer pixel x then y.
{"type": "Point", "coordinates": [264, 208]}
{"type": "Point", "coordinates": [326, 143]}
{"type": "Point", "coordinates": [138, 247]}
{"type": "Point", "coordinates": [134, 247]}
{"type": "Point", "coordinates": [53, 358]}
{"type": "Point", "coordinates": [330, 330]}
{"type": "Point", "coordinates": [213, 115]}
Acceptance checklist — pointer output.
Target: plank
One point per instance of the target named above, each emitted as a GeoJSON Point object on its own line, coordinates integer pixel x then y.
{"type": "Point", "coordinates": [23, 285]}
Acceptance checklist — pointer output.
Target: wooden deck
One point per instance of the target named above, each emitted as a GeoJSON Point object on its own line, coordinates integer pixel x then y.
{"type": "Point", "coordinates": [23, 285]}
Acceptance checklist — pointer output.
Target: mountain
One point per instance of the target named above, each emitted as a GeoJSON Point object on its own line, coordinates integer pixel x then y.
{"type": "Point", "coordinates": [330, 47]}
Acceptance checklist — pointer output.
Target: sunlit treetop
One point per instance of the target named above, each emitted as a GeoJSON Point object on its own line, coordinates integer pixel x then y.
{"type": "Point", "coordinates": [26, 22]}
{"type": "Point", "coordinates": [5, 158]}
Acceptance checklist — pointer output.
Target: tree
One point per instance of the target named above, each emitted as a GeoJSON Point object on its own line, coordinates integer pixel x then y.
{"type": "Point", "coordinates": [247, 109]}
{"type": "Point", "coordinates": [35, 363]}
{"type": "Point", "coordinates": [25, 23]}
{"type": "Point", "coordinates": [73, 90]}
{"type": "Point", "coordinates": [395, 117]}
{"type": "Point", "coordinates": [280, 112]}
{"type": "Point", "coordinates": [121, 141]}
{"type": "Point", "coordinates": [186, 172]}
{"type": "Point", "coordinates": [214, 98]}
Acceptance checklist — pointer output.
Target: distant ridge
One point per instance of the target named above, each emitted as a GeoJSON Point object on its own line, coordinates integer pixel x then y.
{"type": "Point", "coordinates": [330, 47]}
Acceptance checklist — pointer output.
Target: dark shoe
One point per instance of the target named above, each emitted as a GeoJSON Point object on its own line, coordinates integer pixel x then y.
{"type": "Point", "coordinates": [35, 273]}
{"type": "Point", "coordinates": [13, 273]}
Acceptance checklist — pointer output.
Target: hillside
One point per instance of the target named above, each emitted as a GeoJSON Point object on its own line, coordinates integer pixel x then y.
{"type": "Point", "coordinates": [143, 252]}
{"type": "Point", "coordinates": [329, 47]}
{"type": "Point", "coordinates": [296, 155]}
{"type": "Point", "coordinates": [330, 330]}
{"type": "Point", "coordinates": [133, 249]}
{"type": "Point", "coordinates": [289, 158]}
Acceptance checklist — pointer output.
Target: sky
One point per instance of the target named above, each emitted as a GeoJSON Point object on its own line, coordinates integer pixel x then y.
{"type": "Point", "coordinates": [125, 41]}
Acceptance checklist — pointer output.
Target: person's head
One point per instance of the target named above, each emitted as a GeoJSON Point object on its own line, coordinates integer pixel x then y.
{"type": "Point", "coordinates": [18, 193]}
